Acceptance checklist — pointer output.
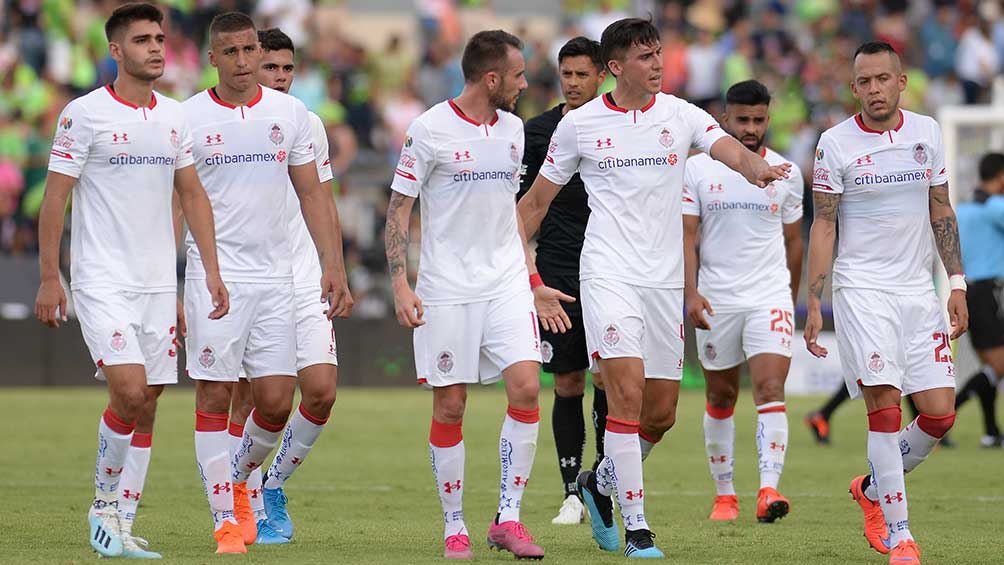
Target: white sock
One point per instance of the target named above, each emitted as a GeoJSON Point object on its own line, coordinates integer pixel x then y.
{"type": "Point", "coordinates": [234, 439]}
{"type": "Point", "coordinates": [301, 433]}
{"type": "Point", "coordinates": [918, 439]}
{"type": "Point", "coordinates": [646, 444]}
{"type": "Point", "coordinates": [886, 463]}
{"type": "Point", "coordinates": [131, 487]}
{"type": "Point", "coordinates": [772, 442]}
{"type": "Point", "coordinates": [446, 451]}
{"type": "Point", "coordinates": [605, 476]}
{"type": "Point", "coordinates": [113, 444]}
{"type": "Point", "coordinates": [719, 444]}
{"type": "Point", "coordinates": [624, 452]}
{"type": "Point", "coordinates": [214, 464]}
{"type": "Point", "coordinates": [517, 447]}
{"type": "Point", "coordinates": [259, 440]}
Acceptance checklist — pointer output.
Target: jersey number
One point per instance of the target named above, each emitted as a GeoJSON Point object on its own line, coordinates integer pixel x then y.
{"type": "Point", "coordinates": [781, 322]}
{"type": "Point", "coordinates": [943, 350]}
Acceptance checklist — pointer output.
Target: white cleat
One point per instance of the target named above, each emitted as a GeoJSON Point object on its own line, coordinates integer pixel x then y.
{"type": "Point", "coordinates": [106, 537]}
{"type": "Point", "coordinates": [572, 512]}
{"type": "Point", "coordinates": [135, 548]}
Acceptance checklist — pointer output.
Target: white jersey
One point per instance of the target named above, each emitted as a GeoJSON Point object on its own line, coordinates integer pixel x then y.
{"type": "Point", "coordinates": [467, 175]}
{"type": "Point", "coordinates": [742, 239]}
{"type": "Point", "coordinates": [306, 266]}
{"type": "Point", "coordinates": [632, 163]}
{"type": "Point", "coordinates": [886, 241]}
{"type": "Point", "coordinates": [124, 158]}
{"type": "Point", "coordinates": [243, 155]}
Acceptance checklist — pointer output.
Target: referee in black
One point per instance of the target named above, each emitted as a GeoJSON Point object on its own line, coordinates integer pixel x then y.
{"type": "Point", "coordinates": [559, 244]}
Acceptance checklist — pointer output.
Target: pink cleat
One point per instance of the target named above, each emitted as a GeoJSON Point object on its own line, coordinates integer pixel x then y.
{"type": "Point", "coordinates": [513, 536]}
{"type": "Point", "coordinates": [458, 547]}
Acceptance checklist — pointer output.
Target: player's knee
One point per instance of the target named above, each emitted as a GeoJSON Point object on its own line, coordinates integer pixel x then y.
{"type": "Point", "coordinates": [936, 426]}
{"type": "Point", "coordinates": [274, 412]}
{"type": "Point", "coordinates": [769, 390]}
{"type": "Point", "coordinates": [721, 398]}
{"type": "Point", "coordinates": [450, 411]}
{"type": "Point", "coordinates": [319, 403]}
{"type": "Point", "coordinates": [656, 426]}
{"type": "Point", "coordinates": [523, 393]}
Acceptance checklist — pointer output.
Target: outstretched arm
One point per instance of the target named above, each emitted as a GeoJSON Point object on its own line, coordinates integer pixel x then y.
{"type": "Point", "coordinates": [737, 157]}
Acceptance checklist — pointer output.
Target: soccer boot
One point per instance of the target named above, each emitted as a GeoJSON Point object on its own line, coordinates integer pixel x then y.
{"type": "Point", "coordinates": [726, 508]}
{"type": "Point", "coordinates": [458, 547]}
{"type": "Point", "coordinates": [905, 553]}
{"type": "Point", "coordinates": [601, 512]}
{"type": "Point", "coordinates": [229, 539]}
{"type": "Point", "coordinates": [513, 537]}
{"type": "Point", "coordinates": [106, 537]}
{"type": "Point", "coordinates": [770, 505]}
{"type": "Point", "coordinates": [572, 511]}
{"type": "Point", "coordinates": [275, 507]}
{"type": "Point", "coordinates": [876, 531]}
{"type": "Point", "coordinates": [268, 536]}
{"type": "Point", "coordinates": [819, 427]}
{"type": "Point", "coordinates": [244, 514]}
{"type": "Point", "coordinates": [639, 544]}
{"type": "Point", "coordinates": [135, 548]}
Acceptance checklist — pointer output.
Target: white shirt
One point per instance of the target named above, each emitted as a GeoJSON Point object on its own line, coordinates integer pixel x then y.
{"type": "Point", "coordinates": [243, 155]}
{"type": "Point", "coordinates": [884, 218]}
{"type": "Point", "coordinates": [466, 175]}
{"type": "Point", "coordinates": [306, 266]}
{"type": "Point", "coordinates": [632, 163]}
{"type": "Point", "coordinates": [743, 261]}
{"type": "Point", "coordinates": [124, 158]}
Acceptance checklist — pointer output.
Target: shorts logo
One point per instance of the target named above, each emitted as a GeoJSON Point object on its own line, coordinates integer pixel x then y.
{"type": "Point", "coordinates": [444, 362]}
{"type": "Point", "coordinates": [709, 351]}
{"type": "Point", "coordinates": [118, 341]}
{"type": "Point", "coordinates": [514, 153]}
{"type": "Point", "coordinates": [207, 358]}
{"type": "Point", "coordinates": [665, 138]}
{"type": "Point", "coordinates": [875, 362]}
{"type": "Point", "coordinates": [275, 135]}
{"type": "Point", "coordinates": [610, 336]}
{"type": "Point", "coordinates": [920, 153]}
{"type": "Point", "coordinates": [546, 351]}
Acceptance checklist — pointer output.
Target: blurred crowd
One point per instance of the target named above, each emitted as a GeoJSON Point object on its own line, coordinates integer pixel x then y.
{"type": "Point", "coordinates": [54, 50]}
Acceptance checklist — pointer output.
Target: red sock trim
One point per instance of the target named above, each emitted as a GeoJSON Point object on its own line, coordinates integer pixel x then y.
{"type": "Point", "coordinates": [140, 439]}
{"type": "Point", "coordinates": [720, 413]}
{"type": "Point", "coordinates": [936, 426]}
{"type": "Point", "coordinates": [770, 410]}
{"type": "Point", "coordinates": [647, 437]}
{"type": "Point", "coordinates": [236, 430]}
{"type": "Point", "coordinates": [265, 424]}
{"type": "Point", "coordinates": [445, 435]}
{"type": "Point", "coordinates": [525, 416]}
{"type": "Point", "coordinates": [210, 422]}
{"type": "Point", "coordinates": [117, 425]}
{"type": "Point", "coordinates": [617, 426]}
{"type": "Point", "coordinates": [313, 419]}
{"type": "Point", "coordinates": [885, 420]}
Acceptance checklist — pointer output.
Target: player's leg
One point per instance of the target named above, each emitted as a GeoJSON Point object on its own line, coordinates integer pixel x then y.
{"type": "Point", "coordinates": [599, 415]}
{"type": "Point", "coordinates": [658, 412]}
{"type": "Point", "coordinates": [993, 371]}
{"type": "Point", "coordinates": [134, 473]}
{"type": "Point", "coordinates": [721, 391]}
{"type": "Point", "coordinates": [768, 372]}
{"type": "Point", "coordinates": [249, 505]}
{"type": "Point", "coordinates": [569, 428]}
{"type": "Point", "coordinates": [818, 422]}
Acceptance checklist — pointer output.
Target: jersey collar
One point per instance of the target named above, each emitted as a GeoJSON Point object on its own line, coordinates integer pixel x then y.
{"type": "Point", "coordinates": [861, 123]}
{"type": "Point", "coordinates": [460, 113]}
{"type": "Point", "coordinates": [218, 100]}
{"type": "Point", "coordinates": [608, 101]}
{"type": "Point", "coordinates": [123, 101]}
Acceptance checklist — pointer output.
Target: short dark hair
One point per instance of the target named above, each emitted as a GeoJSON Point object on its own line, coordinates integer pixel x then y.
{"type": "Point", "coordinates": [874, 47]}
{"type": "Point", "coordinates": [748, 93]}
{"type": "Point", "coordinates": [275, 40]}
{"type": "Point", "coordinates": [582, 46]}
{"type": "Point", "coordinates": [991, 166]}
{"type": "Point", "coordinates": [230, 22]}
{"type": "Point", "coordinates": [129, 13]}
{"type": "Point", "coordinates": [622, 34]}
{"type": "Point", "coordinates": [487, 51]}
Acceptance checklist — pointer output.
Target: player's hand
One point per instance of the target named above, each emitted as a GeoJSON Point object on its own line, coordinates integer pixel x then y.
{"type": "Point", "coordinates": [221, 297]}
{"type": "Point", "coordinates": [813, 325]}
{"type": "Point", "coordinates": [50, 303]}
{"type": "Point", "coordinates": [182, 330]}
{"type": "Point", "coordinates": [771, 174]}
{"type": "Point", "coordinates": [338, 297]}
{"type": "Point", "coordinates": [958, 313]}
{"type": "Point", "coordinates": [696, 305]}
{"type": "Point", "coordinates": [408, 307]}
{"type": "Point", "coordinates": [552, 316]}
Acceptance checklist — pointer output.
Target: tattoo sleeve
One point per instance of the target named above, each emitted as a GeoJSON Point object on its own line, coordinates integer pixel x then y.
{"type": "Point", "coordinates": [821, 238]}
{"type": "Point", "coordinates": [396, 237]}
{"type": "Point", "coordinates": [826, 205]}
{"type": "Point", "coordinates": [945, 228]}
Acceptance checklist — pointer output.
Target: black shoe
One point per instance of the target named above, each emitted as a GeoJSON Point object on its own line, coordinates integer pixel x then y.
{"type": "Point", "coordinates": [947, 442]}
{"type": "Point", "coordinates": [992, 442]}
{"type": "Point", "coordinates": [638, 543]}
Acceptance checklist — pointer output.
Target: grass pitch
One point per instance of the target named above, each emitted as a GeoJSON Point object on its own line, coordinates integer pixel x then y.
{"type": "Point", "coordinates": [366, 494]}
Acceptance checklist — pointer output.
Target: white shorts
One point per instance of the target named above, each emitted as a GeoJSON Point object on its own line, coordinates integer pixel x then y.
{"type": "Point", "coordinates": [737, 336]}
{"type": "Point", "coordinates": [259, 332]}
{"type": "Point", "coordinates": [475, 342]}
{"type": "Point", "coordinates": [889, 339]}
{"type": "Point", "coordinates": [625, 320]}
{"type": "Point", "coordinates": [122, 327]}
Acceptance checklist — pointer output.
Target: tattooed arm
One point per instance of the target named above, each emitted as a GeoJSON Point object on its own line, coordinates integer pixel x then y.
{"type": "Point", "coordinates": [407, 305]}
{"type": "Point", "coordinates": [822, 234]}
{"type": "Point", "coordinates": [946, 237]}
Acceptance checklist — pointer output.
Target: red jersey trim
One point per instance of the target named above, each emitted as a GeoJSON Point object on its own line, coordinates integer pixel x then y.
{"type": "Point", "coordinates": [460, 113]}
{"type": "Point", "coordinates": [861, 123]}
{"type": "Point", "coordinates": [763, 152]}
{"type": "Point", "coordinates": [123, 101]}
{"type": "Point", "coordinates": [218, 100]}
{"type": "Point", "coordinates": [608, 100]}
{"type": "Point", "coordinates": [405, 174]}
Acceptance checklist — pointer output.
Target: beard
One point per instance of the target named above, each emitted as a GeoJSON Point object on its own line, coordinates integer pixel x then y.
{"type": "Point", "coordinates": [499, 101]}
{"type": "Point", "coordinates": [138, 69]}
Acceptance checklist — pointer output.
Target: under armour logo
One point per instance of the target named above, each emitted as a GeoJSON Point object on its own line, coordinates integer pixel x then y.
{"type": "Point", "coordinates": [113, 472]}
{"type": "Point", "coordinates": [898, 497]}
{"type": "Point", "coordinates": [120, 137]}
{"type": "Point", "coordinates": [633, 494]}
{"type": "Point", "coordinates": [600, 143]}
{"type": "Point", "coordinates": [775, 445]}
{"type": "Point", "coordinates": [567, 461]}
{"type": "Point", "coordinates": [214, 139]}
{"type": "Point", "coordinates": [450, 487]}
{"type": "Point", "coordinates": [719, 459]}
{"type": "Point", "coordinates": [866, 160]}
{"type": "Point", "coordinates": [220, 489]}
{"type": "Point", "coordinates": [251, 465]}
{"type": "Point", "coordinates": [462, 155]}
{"type": "Point", "coordinates": [519, 481]}
{"type": "Point", "coordinates": [129, 494]}
{"type": "Point", "coordinates": [295, 460]}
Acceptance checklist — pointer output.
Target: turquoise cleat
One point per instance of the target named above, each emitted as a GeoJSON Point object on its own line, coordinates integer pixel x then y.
{"type": "Point", "coordinates": [135, 548]}
{"type": "Point", "coordinates": [275, 508]}
{"type": "Point", "coordinates": [639, 545]}
{"type": "Point", "coordinates": [601, 515]}
{"type": "Point", "coordinates": [106, 538]}
{"type": "Point", "coordinates": [268, 536]}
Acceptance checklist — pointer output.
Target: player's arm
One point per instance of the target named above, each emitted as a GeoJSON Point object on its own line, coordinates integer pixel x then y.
{"type": "Point", "coordinates": [794, 249]}
{"type": "Point", "coordinates": [737, 157]}
{"type": "Point", "coordinates": [822, 235]}
{"type": "Point", "coordinates": [696, 304]}
{"type": "Point", "coordinates": [547, 300]}
{"type": "Point", "coordinates": [946, 237]}
{"type": "Point", "coordinates": [407, 304]}
{"type": "Point", "coordinates": [178, 219]}
{"type": "Point", "coordinates": [198, 213]}
{"type": "Point", "coordinates": [533, 206]}
{"type": "Point", "coordinates": [50, 304]}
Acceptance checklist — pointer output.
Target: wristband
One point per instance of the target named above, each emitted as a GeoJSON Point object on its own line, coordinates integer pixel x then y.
{"type": "Point", "coordinates": [957, 282]}
{"type": "Point", "coordinates": [536, 281]}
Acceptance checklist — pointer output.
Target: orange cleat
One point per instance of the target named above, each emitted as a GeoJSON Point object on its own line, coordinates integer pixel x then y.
{"type": "Point", "coordinates": [905, 553]}
{"type": "Point", "coordinates": [229, 539]}
{"type": "Point", "coordinates": [876, 531]}
{"type": "Point", "coordinates": [819, 427]}
{"type": "Point", "coordinates": [726, 508]}
{"type": "Point", "coordinates": [770, 505]}
{"type": "Point", "coordinates": [244, 514]}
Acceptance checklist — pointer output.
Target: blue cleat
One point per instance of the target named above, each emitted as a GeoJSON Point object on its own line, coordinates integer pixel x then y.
{"type": "Point", "coordinates": [268, 536]}
{"type": "Point", "coordinates": [275, 508]}
{"type": "Point", "coordinates": [601, 514]}
{"type": "Point", "coordinates": [639, 544]}
{"type": "Point", "coordinates": [135, 548]}
{"type": "Point", "coordinates": [106, 537]}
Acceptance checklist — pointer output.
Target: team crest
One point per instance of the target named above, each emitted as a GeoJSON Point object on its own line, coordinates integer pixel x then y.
{"type": "Point", "coordinates": [665, 138]}
{"type": "Point", "coordinates": [875, 362]}
{"type": "Point", "coordinates": [207, 358]}
{"type": "Point", "coordinates": [275, 136]}
{"type": "Point", "coordinates": [610, 335]}
{"type": "Point", "coordinates": [546, 351]}
{"type": "Point", "coordinates": [920, 153]}
{"type": "Point", "coordinates": [709, 352]}
{"type": "Point", "coordinates": [444, 362]}
{"type": "Point", "coordinates": [66, 122]}
{"type": "Point", "coordinates": [771, 190]}
{"type": "Point", "coordinates": [175, 140]}
{"type": "Point", "coordinates": [118, 341]}
{"type": "Point", "coordinates": [514, 153]}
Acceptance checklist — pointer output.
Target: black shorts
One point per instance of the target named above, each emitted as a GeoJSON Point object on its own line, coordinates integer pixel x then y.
{"type": "Point", "coordinates": [565, 352]}
{"type": "Point", "coordinates": [986, 319]}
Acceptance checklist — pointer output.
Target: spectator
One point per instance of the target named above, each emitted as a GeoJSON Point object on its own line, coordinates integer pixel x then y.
{"type": "Point", "coordinates": [976, 60]}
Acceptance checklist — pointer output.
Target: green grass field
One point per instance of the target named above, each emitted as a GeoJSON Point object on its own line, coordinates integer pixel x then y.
{"type": "Point", "coordinates": [366, 493]}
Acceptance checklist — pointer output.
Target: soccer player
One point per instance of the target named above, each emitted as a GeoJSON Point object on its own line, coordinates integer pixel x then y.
{"type": "Point", "coordinates": [472, 311]}
{"type": "Point", "coordinates": [873, 172]}
{"type": "Point", "coordinates": [748, 293]}
{"type": "Point", "coordinates": [580, 72]}
{"type": "Point", "coordinates": [250, 142]}
{"type": "Point", "coordinates": [122, 150]}
{"type": "Point", "coordinates": [630, 146]}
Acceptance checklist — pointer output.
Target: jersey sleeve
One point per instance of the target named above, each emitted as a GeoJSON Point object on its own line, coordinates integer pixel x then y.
{"type": "Point", "coordinates": [691, 194]}
{"type": "Point", "coordinates": [827, 172]}
{"type": "Point", "coordinates": [939, 173]}
{"type": "Point", "coordinates": [791, 210]}
{"type": "Point", "coordinates": [319, 141]}
{"type": "Point", "coordinates": [184, 158]}
{"type": "Point", "coordinates": [562, 159]}
{"type": "Point", "coordinates": [301, 152]}
{"type": "Point", "coordinates": [418, 158]}
{"type": "Point", "coordinates": [72, 142]}
{"type": "Point", "coordinates": [705, 131]}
